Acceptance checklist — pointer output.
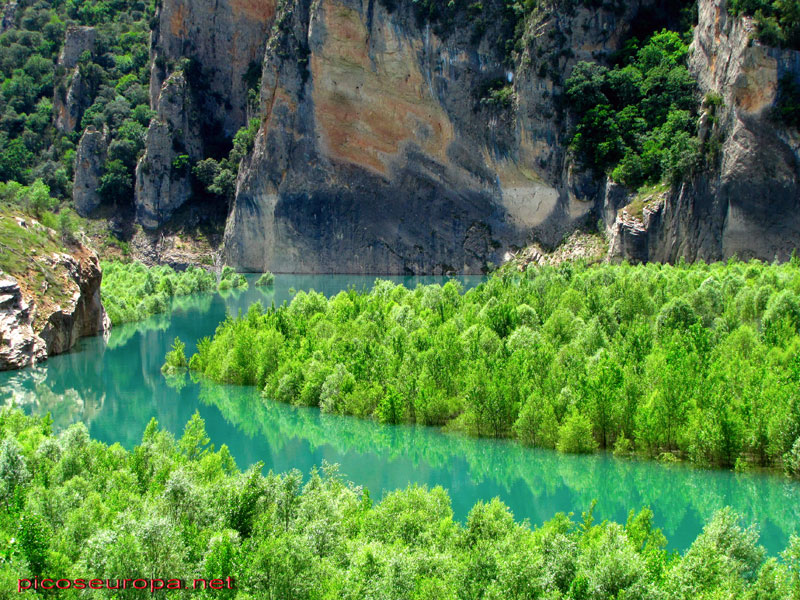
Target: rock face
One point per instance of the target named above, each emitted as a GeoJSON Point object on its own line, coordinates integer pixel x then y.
{"type": "Point", "coordinates": [84, 315]}
{"type": "Point", "coordinates": [163, 181]}
{"type": "Point", "coordinates": [9, 16]}
{"type": "Point", "coordinates": [390, 145]}
{"type": "Point", "coordinates": [19, 345]}
{"type": "Point", "coordinates": [203, 101]}
{"type": "Point", "coordinates": [747, 204]}
{"type": "Point", "coordinates": [78, 40]}
{"type": "Point", "coordinates": [32, 328]}
{"type": "Point", "coordinates": [88, 169]}
{"type": "Point", "coordinates": [73, 96]}
{"type": "Point", "coordinates": [378, 155]}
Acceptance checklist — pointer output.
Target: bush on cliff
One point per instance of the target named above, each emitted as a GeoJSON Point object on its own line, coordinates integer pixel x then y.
{"type": "Point", "coordinates": [636, 121]}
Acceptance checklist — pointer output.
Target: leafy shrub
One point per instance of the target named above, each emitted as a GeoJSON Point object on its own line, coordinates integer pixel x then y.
{"type": "Point", "coordinates": [636, 121]}
{"type": "Point", "coordinates": [175, 360]}
{"type": "Point", "coordinates": [575, 435]}
{"type": "Point", "coordinates": [266, 280]}
{"type": "Point", "coordinates": [182, 507]}
{"type": "Point", "coordinates": [675, 359]}
{"type": "Point", "coordinates": [132, 291]}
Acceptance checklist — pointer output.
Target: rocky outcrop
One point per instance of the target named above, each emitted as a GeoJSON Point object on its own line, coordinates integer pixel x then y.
{"type": "Point", "coordinates": [73, 95]}
{"type": "Point", "coordinates": [89, 160]}
{"type": "Point", "coordinates": [77, 41]}
{"type": "Point", "coordinates": [206, 60]}
{"type": "Point", "coordinates": [19, 345]}
{"type": "Point", "coordinates": [9, 16]}
{"type": "Point", "coordinates": [225, 41]}
{"type": "Point", "coordinates": [748, 202]}
{"type": "Point", "coordinates": [163, 181]}
{"type": "Point", "coordinates": [35, 325]}
{"type": "Point", "coordinates": [83, 313]}
{"type": "Point", "coordinates": [386, 146]}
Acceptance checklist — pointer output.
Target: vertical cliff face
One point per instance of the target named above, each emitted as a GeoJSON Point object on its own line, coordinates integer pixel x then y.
{"type": "Point", "coordinates": [388, 144]}
{"type": "Point", "coordinates": [89, 161]}
{"type": "Point", "coordinates": [72, 97]}
{"type": "Point", "coordinates": [377, 153]}
{"type": "Point", "coordinates": [206, 55]}
{"type": "Point", "coordinates": [748, 202]}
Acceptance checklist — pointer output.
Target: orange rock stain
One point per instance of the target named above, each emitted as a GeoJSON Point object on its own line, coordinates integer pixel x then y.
{"type": "Point", "coordinates": [367, 107]}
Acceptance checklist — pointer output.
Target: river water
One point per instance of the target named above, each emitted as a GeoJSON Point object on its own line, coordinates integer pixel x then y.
{"type": "Point", "coordinates": [115, 387]}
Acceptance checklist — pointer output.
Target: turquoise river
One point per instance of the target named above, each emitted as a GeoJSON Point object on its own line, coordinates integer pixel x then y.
{"type": "Point", "coordinates": [114, 385]}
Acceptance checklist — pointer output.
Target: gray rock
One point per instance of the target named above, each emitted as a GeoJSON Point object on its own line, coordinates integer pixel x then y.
{"type": "Point", "coordinates": [31, 330]}
{"type": "Point", "coordinates": [9, 17]}
{"type": "Point", "coordinates": [77, 41]}
{"type": "Point", "coordinates": [375, 155]}
{"type": "Point", "coordinates": [226, 39]}
{"type": "Point", "coordinates": [71, 102]}
{"type": "Point", "coordinates": [84, 315]}
{"type": "Point", "coordinates": [19, 345]}
{"type": "Point", "coordinates": [160, 188]}
{"type": "Point", "coordinates": [89, 160]}
{"type": "Point", "coordinates": [73, 96]}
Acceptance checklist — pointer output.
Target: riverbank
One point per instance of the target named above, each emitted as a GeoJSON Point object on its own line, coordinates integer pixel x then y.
{"type": "Point", "coordinates": [114, 385]}
{"type": "Point", "coordinates": [180, 509]}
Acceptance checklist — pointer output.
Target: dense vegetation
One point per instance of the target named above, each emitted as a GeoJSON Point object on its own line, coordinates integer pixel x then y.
{"type": "Point", "coordinates": [75, 508]}
{"type": "Point", "coordinates": [115, 78]}
{"type": "Point", "coordinates": [36, 201]}
{"type": "Point", "coordinates": [636, 120]}
{"type": "Point", "coordinates": [697, 361]}
{"type": "Point", "coordinates": [777, 21]}
{"type": "Point", "coordinates": [266, 280]}
{"type": "Point", "coordinates": [132, 291]}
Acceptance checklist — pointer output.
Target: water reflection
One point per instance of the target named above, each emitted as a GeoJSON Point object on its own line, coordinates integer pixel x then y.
{"type": "Point", "coordinates": [115, 386]}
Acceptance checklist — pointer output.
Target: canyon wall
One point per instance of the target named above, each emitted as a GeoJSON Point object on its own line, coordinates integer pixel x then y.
{"type": "Point", "coordinates": [747, 203]}
{"type": "Point", "coordinates": [390, 144]}
{"type": "Point", "coordinates": [379, 154]}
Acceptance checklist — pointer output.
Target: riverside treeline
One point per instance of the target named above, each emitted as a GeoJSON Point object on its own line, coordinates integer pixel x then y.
{"type": "Point", "coordinates": [72, 507]}
{"type": "Point", "coordinates": [695, 361]}
{"type": "Point", "coordinates": [132, 291]}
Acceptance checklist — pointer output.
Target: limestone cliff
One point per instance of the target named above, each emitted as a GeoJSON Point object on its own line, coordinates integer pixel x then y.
{"type": "Point", "coordinates": [163, 182]}
{"type": "Point", "coordinates": [73, 96]}
{"type": "Point", "coordinates": [377, 153]}
{"type": "Point", "coordinates": [89, 161]}
{"type": "Point", "coordinates": [49, 297]}
{"type": "Point", "coordinates": [391, 144]}
{"type": "Point", "coordinates": [206, 56]}
{"type": "Point", "coordinates": [748, 203]}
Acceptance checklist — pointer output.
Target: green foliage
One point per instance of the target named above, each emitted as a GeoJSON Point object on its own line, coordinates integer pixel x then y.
{"type": "Point", "coordinates": [575, 435]}
{"type": "Point", "coordinates": [789, 101]}
{"type": "Point", "coordinates": [777, 21]}
{"type": "Point", "coordinates": [132, 291]}
{"type": "Point", "coordinates": [114, 81]}
{"type": "Point", "coordinates": [694, 361]}
{"type": "Point", "coordinates": [636, 121]}
{"type": "Point", "coordinates": [231, 280]}
{"type": "Point", "coordinates": [175, 360]}
{"type": "Point", "coordinates": [266, 280]}
{"type": "Point", "coordinates": [170, 509]}
{"type": "Point", "coordinates": [218, 177]}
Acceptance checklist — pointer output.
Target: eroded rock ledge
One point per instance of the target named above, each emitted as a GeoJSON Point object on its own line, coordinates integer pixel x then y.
{"type": "Point", "coordinates": [35, 324]}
